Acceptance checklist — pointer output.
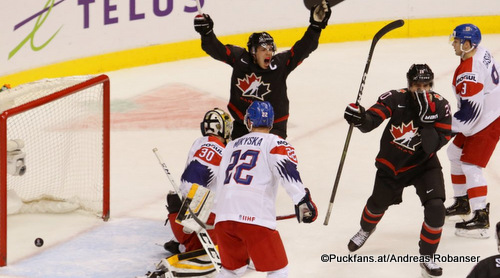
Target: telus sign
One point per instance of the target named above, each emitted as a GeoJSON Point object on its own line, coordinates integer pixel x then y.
{"type": "Point", "coordinates": [161, 8]}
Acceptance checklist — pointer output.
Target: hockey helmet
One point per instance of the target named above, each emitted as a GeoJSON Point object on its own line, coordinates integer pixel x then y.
{"type": "Point", "coordinates": [217, 122]}
{"type": "Point", "coordinates": [260, 39]}
{"type": "Point", "coordinates": [260, 114]}
{"type": "Point", "coordinates": [419, 73]}
{"type": "Point", "coordinates": [467, 32]}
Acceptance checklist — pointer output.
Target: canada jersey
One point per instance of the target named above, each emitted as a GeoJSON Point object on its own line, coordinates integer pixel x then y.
{"type": "Point", "coordinates": [401, 143]}
{"type": "Point", "coordinates": [202, 163]}
{"type": "Point", "coordinates": [487, 268]}
{"type": "Point", "coordinates": [251, 170]}
{"type": "Point", "coordinates": [476, 83]}
{"type": "Point", "coordinates": [250, 82]}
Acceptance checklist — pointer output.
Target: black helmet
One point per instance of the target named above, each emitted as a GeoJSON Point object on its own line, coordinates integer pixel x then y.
{"type": "Point", "coordinates": [262, 39]}
{"type": "Point", "coordinates": [420, 73]}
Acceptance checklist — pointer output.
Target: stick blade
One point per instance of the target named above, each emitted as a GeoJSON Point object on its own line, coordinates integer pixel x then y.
{"type": "Point", "coordinates": [389, 27]}
{"type": "Point", "coordinates": [310, 3]}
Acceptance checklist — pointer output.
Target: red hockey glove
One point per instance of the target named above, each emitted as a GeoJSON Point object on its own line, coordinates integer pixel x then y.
{"type": "Point", "coordinates": [306, 209]}
{"type": "Point", "coordinates": [355, 114]}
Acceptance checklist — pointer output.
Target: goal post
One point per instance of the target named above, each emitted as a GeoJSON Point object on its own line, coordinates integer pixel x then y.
{"type": "Point", "coordinates": [64, 125]}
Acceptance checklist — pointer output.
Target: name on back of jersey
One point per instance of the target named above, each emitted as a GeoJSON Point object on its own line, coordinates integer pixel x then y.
{"type": "Point", "coordinates": [249, 141]}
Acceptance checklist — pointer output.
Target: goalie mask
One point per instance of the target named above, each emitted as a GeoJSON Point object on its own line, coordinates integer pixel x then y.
{"type": "Point", "coordinates": [260, 39]}
{"type": "Point", "coordinates": [259, 114]}
{"type": "Point", "coordinates": [420, 73]}
{"type": "Point", "coordinates": [217, 122]}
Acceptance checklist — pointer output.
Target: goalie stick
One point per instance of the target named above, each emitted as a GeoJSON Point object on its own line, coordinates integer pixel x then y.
{"type": "Point", "coordinates": [203, 236]}
{"type": "Point", "coordinates": [386, 29]}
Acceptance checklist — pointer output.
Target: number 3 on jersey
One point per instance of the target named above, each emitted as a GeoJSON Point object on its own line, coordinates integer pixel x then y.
{"type": "Point", "coordinates": [239, 166]}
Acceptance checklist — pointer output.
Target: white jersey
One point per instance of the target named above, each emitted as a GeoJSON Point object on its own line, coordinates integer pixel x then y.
{"type": "Point", "coordinates": [477, 88]}
{"type": "Point", "coordinates": [202, 164]}
{"type": "Point", "coordinates": [251, 170]}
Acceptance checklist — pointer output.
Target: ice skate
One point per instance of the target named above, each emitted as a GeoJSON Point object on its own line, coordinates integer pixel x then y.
{"type": "Point", "coordinates": [359, 239]}
{"type": "Point", "coordinates": [459, 210]}
{"type": "Point", "coordinates": [172, 246]}
{"type": "Point", "coordinates": [430, 269]}
{"type": "Point", "coordinates": [477, 227]}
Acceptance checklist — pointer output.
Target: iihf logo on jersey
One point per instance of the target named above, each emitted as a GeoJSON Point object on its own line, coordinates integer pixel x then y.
{"type": "Point", "coordinates": [252, 86]}
{"type": "Point", "coordinates": [406, 136]}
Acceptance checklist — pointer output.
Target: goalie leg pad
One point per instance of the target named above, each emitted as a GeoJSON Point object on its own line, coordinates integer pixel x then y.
{"type": "Point", "coordinates": [195, 263]}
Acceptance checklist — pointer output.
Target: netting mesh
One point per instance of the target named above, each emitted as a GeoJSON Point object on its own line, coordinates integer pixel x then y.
{"type": "Point", "coordinates": [63, 144]}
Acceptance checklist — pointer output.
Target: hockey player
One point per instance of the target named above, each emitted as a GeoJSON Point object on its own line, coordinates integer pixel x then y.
{"type": "Point", "coordinates": [419, 125]}
{"type": "Point", "coordinates": [259, 73]}
{"type": "Point", "coordinates": [476, 84]}
{"type": "Point", "coordinates": [201, 168]}
{"type": "Point", "coordinates": [251, 169]}
{"type": "Point", "coordinates": [489, 267]}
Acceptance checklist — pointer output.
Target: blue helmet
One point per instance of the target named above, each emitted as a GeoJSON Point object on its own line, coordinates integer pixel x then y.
{"type": "Point", "coordinates": [467, 32]}
{"type": "Point", "coordinates": [260, 114]}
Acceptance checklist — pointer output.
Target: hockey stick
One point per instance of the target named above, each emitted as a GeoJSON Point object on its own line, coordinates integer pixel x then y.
{"type": "Point", "coordinates": [283, 217]}
{"type": "Point", "coordinates": [198, 5]}
{"type": "Point", "coordinates": [203, 236]}
{"type": "Point", "coordinates": [310, 3]}
{"type": "Point", "coordinates": [386, 29]}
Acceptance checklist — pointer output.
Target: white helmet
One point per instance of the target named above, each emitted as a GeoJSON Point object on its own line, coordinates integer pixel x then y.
{"type": "Point", "coordinates": [217, 122]}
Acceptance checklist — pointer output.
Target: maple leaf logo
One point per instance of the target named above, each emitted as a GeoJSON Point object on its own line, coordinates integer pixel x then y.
{"type": "Point", "coordinates": [253, 87]}
{"type": "Point", "coordinates": [406, 135]}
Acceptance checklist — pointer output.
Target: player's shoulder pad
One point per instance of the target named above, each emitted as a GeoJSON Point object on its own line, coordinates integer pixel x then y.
{"type": "Point", "coordinates": [213, 146]}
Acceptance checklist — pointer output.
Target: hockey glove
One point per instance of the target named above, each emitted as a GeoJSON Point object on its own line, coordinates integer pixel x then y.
{"type": "Point", "coordinates": [174, 203]}
{"type": "Point", "coordinates": [203, 24]}
{"type": "Point", "coordinates": [354, 114]}
{"type": "Point", "coordinates": [306, 210]}
{"type": "Point", "coordinates": [320, 15]}
{"type": "Point", "coordinates": [427, 111]}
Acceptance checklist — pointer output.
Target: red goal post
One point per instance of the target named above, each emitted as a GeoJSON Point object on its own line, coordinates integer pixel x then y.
{"type": "Point", "coordinates": [64, 124]}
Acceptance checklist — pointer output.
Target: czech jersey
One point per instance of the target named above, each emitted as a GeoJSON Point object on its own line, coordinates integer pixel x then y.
{"type": "Point", "coordinates": [251, 170]}
{"type": "Point", "coordinates": [202, 164]}
{"type": "Point", "coordinates": [401, 145]}
{"type": "Point", "coordinates": [476, 83]}
{"type": "Point", "coordinates": [250, 82]}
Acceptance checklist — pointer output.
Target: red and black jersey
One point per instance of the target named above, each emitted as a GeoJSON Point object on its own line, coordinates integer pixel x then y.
{"type": "Point", "coordinates": [406, 142]}
{"type": "Point", "coordinates": [250, 82]}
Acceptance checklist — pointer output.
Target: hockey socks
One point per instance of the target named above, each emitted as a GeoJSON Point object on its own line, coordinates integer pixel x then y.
{"type": "Point", "coordinates": [429, 239]}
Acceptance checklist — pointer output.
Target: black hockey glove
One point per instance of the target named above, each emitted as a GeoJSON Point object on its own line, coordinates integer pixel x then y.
{"type": "Point", "coordinates": [355, 114]}
{"type": "Point", "coordinates": [320, 14]}
{"type": "Point", "coordinates": [427, 112]}
{"type": "Point", "coordinates": [306, 210]}
{"type": "Point", "coordinates": [203, 24]}
{"type": "Point", "coordinates": [174, 203]}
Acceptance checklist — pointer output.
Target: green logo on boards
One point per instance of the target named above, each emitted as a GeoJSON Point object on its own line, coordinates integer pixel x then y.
{"type": "Point", "coordinates": [40, 19]}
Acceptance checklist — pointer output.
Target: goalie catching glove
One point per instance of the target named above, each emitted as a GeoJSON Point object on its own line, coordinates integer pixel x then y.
{"type": "Point", "coordinates": [203, 24]}
{"type": "Point", "coordinates": [427, 112]}
{"type": "Point", "coordinates": [306, 210]}
{"type": "Point", "coordinates": [355, 114]}
{"type": "Point", "coordinates": [320, 15]}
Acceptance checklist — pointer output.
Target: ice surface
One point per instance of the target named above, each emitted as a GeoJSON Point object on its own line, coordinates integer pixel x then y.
{"type": "Point", "coordinates": [161, 106]}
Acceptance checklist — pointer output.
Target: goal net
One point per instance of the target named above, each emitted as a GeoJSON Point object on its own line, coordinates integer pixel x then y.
{"type": "Point", "coordinates": [54, 148]}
